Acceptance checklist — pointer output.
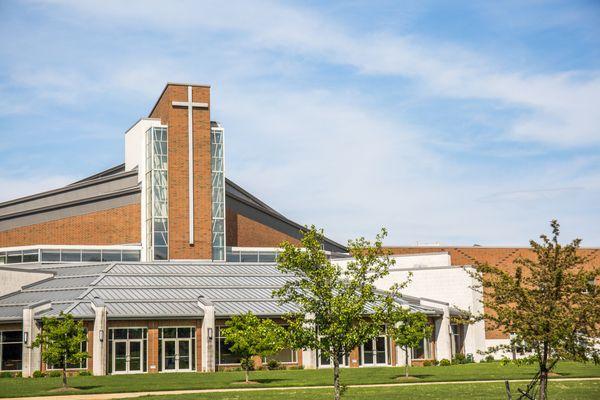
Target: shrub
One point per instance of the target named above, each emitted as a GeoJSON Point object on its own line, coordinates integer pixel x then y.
{"type": "Point", "coordinates": [505, 361]}
{"type": "Point", "coordinates": [273, 364]}
{"type": "Point", "coordinates": [54, 374]}
{"type": "Point", "coordinates": [19, 374]}
{"type": "Point", "coordinates": [444, 362]}
{"type": "Point", "coordinates": [38, 374]}
{"type": "Point", "coordinates": [295, 367]}
{"type": "Point", "coordinates": [428, 363]}
{"type": "Point", "coordinates": [84, 373]}
{"type": "Point", "coordinates": [488, 359]}
{"type": "Point", "coordinates": [459, 358]}
{"type": "Point", "coordinates": [6, 374]}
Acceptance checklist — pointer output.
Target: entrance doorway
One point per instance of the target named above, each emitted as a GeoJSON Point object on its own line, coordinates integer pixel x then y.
{"type": "Point", "coordinates": [128, 356]}
{"type": "Point", "coordinates": [177, 354]}
{"type": "Point", "coordinates": [127, 350]}
{"type": "Point", "coordinates": [176, 346]}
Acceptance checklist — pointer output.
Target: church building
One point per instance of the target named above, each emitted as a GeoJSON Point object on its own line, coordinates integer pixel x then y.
{"type": "Point", "coordinates": [155, 254]}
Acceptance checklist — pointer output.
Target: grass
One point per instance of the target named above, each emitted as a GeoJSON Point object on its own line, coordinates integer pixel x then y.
{"type": "Point", "coordinates": [19, 387]}
{"type": "Point", "coordinates": [472, 391]}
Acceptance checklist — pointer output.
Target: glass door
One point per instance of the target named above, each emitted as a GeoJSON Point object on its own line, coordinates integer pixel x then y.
{"type": "Point", "coordinates": [120, 357]}
{"type": "Point", "coordinates": [135, 356]}
{"type": "Point", "coordinates": [170, 355]}
{"type": "Point", "coordinates": [374, 352]}
{"type": "Point", "coordinates": [183, 356]}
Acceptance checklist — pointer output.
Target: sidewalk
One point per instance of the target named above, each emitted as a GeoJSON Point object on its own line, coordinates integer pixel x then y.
{"type": "Point", "coordinates": [130, 395]}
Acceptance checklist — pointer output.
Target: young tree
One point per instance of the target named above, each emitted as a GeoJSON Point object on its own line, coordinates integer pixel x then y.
{"type": "Point", "coordinates": [339, 308]}
{"type": "Point", "coordinates": [60, 341]}
{"type": "Point", "coordinates": [550, 303]}
{"type": "Point", "coordinates": [251, 336]}
{"type": "Point", "coordinates": [408, 332]}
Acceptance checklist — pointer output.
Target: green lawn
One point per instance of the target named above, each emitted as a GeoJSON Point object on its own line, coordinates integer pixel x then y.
{"type": "Point", "coordinates": [18, 387]}
{"type": "Point", "coordinates": [472, 391]}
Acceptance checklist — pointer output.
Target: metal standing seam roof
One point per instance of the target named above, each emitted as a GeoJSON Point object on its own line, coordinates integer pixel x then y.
{"type": "Point", "coordinates": [158, 290]}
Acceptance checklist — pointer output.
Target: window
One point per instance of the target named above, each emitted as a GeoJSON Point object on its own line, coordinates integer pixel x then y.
{"type": "Point", "coordinates": [375, 351]}
{"type": "Point", "coordinates": [156, 197]}
{"type": "Point", "coordinates": [218, 192]}
{"type": "Point", "coordinates": [127, 350]}
{"type": "Point", "coordinates": [284, 356]}
{"type": "Point", "coordinates": [91, 256]}
{"type": "Point", "coordinates": [225, 356]}
{"type": "Point", "coordinates": [111, 255]}
{"type": "Point", "coordinates": [70, 255]}
{"type": "Point", "coordinates": [457, 338]}
{"type": "Point", "coordinates": [11, 350]}
{"type": "Point", "coordinates": [81, 365]}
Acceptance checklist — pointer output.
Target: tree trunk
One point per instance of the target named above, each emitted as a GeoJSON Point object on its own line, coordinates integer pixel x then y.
{"type": "Point", "coordinates": [64, 377]}
{"type": "Point", "coordinates": [336, 377]}
{"type": "Point", "coordinates": [544, 373]}
{"type": "Point", "coordinates": [406, 362]}
{"type": "Point", "coordinates": [543, 384]}
{"type": "Point", "coordinates": [247, 373]}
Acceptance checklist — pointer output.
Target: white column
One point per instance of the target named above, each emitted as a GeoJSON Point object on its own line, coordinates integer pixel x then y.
{"type": "Point", "coordinates": [32, 357]}
{"type": "Point", "coordinates": [309, 358]}
{"type": "Point", "coordinates": [475, 335]}
{"type": "Point", "coordinates": [99, 345]}
{"type": "Point", "coordinates": [208, 335]}
{"type": "Point", "coordinates": [442, 334]}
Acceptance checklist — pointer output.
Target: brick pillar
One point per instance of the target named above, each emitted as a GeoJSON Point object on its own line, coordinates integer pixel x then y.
{"type": "Point", "coordinates": [153, 347]}
{"type": "Point", "coordinates": [354, 358]}
{"type": "Point", "coordinates": [199, 345]}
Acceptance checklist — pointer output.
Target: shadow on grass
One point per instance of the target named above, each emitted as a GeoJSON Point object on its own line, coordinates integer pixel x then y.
{"type": "Point", "coordinates": [88, 387]}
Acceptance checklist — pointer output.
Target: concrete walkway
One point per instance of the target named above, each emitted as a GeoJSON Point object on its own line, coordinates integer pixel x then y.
{"type": "Point", "coordinates": [130, 395]}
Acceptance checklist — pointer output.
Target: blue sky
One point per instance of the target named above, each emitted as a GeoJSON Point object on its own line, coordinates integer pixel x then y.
{"type": "Point", "coordinates": [450, 122]}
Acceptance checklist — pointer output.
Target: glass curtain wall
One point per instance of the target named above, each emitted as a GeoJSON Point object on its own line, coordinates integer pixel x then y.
{"type": "Point", "coordinates": [156, 196]}
{"type": "Point", "coordinates": [218, 192]}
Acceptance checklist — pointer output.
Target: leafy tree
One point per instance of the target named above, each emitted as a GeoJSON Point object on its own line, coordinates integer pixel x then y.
{"type": "Point", "coordinates": [408, 332]}
{"type": "Point", "coordinates": [60, 341]}
{"type": "Point", "coordinates": [251, 336]}
{"type": "Point", "coordinates": [549, 303]}
{"type": "Point", "coordinates": [339, 307]}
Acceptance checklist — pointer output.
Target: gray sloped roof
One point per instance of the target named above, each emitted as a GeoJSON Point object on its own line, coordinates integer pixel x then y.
{"type": "Point", "coordinates": [157, 290]}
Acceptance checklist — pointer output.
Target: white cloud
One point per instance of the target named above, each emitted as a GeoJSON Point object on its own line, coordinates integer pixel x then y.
{"type": "Point", "coordinates": [13, 187]}
{"type": "Point", "coordinates": [561, 106]}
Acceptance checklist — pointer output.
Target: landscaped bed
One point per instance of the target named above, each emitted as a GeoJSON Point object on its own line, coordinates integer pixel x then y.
{"type": "Point", "coordinates": [19, 387]}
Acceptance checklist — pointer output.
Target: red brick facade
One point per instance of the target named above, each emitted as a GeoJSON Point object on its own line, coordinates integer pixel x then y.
{"type": "Point", "coordinates": [177, 120]}
{"type": "Point", "coordinates": [109, 227]}
{"type": "Point", "coordinates": [245, 232]}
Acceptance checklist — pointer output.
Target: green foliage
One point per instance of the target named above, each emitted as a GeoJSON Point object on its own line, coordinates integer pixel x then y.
{"type": "Point", "coordinates": [6, 374]}
{"type": "Point", "coordinates": [54, 374]}
{"type": "Point", "coordinates": [550, 303]}
{"type": "Point", "coordinates": [60, 341]}
{"type": "Point", "coordinates": [408, 329]}
{"type": "Point", "coordinates": [251, 336]}
{"type": "Point", "coordinates": [444, 362]}
{"type": "Point", "coordinates": [84, 373]}
{"type": "Point", "coordinates": [489, 358]}
{"type": "Point", "coordinates": [38, 374]}
{"type": "Point", "coordinates": [274, 364]}
{"type": "Point", "coordinates": [459, 358]}
{"type": "Point", "coordinates": [428, 363]}
{"type": "Point", "coordinates": [334, 301]}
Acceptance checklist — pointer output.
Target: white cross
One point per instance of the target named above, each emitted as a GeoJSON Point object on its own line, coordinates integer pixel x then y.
{"type": "Point", "coordinates": [190, 106]}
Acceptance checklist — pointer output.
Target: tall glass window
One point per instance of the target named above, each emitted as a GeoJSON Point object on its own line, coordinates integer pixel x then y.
{"type": "Point", "coordinates": [218, 192]}
{"type": "Point", "coordinates": [156, 196]}
{"type": "Point", "coordinates": [11, 350]}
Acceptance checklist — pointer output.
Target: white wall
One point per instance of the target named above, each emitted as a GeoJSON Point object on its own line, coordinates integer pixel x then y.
{"type": "Point", "coordinates": [434, 278]}
{"type": "Point", "coordinates": [12, 280]}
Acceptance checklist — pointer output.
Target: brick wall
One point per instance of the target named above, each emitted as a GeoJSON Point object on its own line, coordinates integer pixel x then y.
{"type": "Point", "coordinates": [115, 226]}
{"type": "Point", "coordinates": [501, 257]}
{"type": "Point", "coordinates": [177, 120]}
{"type": "Point", "coordinates": [243, 231]}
